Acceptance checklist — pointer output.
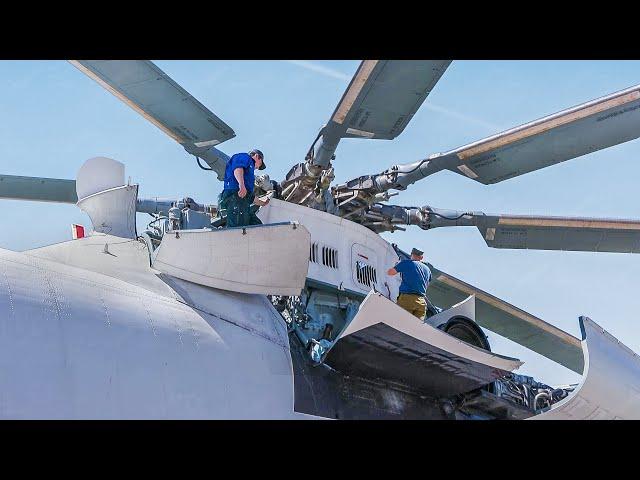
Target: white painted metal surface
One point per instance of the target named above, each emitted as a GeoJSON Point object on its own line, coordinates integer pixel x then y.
{"type": "Point", "coordinates": [126, 260]}
{"type": "Point", "coordinates": [98, 174]}
{"type": "Point", "coordinates": [102, 194]}
{"type": "Point", "coordinates": [266, 259]}
{"type": "Point", "coordinates": [465, 308]}
{"type": "Point", "coordinates": [610, 387]}
{"type": "Point", "coordinates": [112, 211]}
{"type": "Point", "coordinates": [105, 336]}
{"type": "Point", "coordinates": [377, 309]}
{"type": "Point", "coordinates": [345, 237]}
{"type": "Point", "coordinates": [80, 344]}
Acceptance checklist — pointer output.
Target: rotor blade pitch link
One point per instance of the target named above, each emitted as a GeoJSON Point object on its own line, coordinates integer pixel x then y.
{"type": "Point", "coordinates": [399, 177]}
{"type": "Point", "coordinates": [375, 187]}
{"type": "Point", "coordinates": [424, 217]}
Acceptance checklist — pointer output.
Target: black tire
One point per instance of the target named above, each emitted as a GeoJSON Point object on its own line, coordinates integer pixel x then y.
{"type": "Point", "coordinates": [468, 331]}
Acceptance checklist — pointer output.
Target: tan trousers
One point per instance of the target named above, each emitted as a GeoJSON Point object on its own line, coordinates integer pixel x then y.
{"type": "Point", "coordinates": [414, 304]}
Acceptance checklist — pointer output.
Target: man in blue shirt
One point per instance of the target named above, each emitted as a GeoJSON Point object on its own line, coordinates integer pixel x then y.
{"type": "Point", "coordinates": [415, 281]}
{"type": "Point", "coordinates": [237, 196]}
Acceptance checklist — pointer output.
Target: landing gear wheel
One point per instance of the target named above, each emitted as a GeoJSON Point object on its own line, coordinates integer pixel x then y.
{"type": "Point", "coordinates": [468, 331]}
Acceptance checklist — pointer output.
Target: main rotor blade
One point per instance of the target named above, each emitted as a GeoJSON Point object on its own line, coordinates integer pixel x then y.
{"type": "Point", "coordinates": [583, 129]}
{"type": "Point", "coordinates": [384, 95]}
{"type": "Point", "coordinates": [153, 94]}
{"type": "Point", "coordinates": [509, 321]}
{"type": "Point", "coordinates": [560, 233]}
{"type": "Point", "coordinates": [541, 232]}
{"type": "Point", "coordinates": [39, 189]}
{"type": "Point", "coordinates": [380, 101]}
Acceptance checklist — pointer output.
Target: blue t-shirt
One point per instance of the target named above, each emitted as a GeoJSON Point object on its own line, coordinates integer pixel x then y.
{"type": "Point", "coordinates": [239, 160]}
{"type": "Point", "coordinates": [415, 277]}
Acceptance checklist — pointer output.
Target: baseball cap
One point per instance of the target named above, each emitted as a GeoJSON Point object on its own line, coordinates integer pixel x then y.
{"type": "Point", "coordinates": [261, 155]}
{"type": "Point", "coordinates": [415, 251]}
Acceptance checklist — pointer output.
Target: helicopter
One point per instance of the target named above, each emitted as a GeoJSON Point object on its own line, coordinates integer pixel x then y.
{"type": "Point", "coordinates": [332, 374]}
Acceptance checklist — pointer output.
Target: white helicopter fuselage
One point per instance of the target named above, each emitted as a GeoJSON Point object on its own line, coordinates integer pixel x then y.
{"type": "Point", "coordinates": [75, 343]}
{"type": "Point", "coordinates": [94, 332]}
{"type": "Point", "coordinates": [179, 325]}
{"type": "Point", "coordinates": [90, 330]}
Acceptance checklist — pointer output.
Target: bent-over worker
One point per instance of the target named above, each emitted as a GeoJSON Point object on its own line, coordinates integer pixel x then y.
{"type": "Point", "coordinates": [237, 196]}
{"type": "Point", "coordinates": [415, 281]}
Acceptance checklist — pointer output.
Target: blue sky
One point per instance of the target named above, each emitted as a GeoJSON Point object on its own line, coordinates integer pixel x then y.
{"type": "Point", "coordinates": [54, 118]}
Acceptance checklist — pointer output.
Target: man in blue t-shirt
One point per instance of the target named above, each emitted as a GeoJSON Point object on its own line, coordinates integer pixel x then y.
{"type": "Point", "coordinates": [237, 196]}
{"type": "Point", "coordinates": [415, 281]}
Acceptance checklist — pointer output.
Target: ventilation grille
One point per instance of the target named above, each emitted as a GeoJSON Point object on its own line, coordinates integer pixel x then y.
{"type": "Point", "coordinates": [323, 255]}
{"type": "Point", "coordinates": [365, 274]}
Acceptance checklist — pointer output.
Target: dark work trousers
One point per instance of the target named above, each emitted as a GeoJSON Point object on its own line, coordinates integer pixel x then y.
{"type": "Point", "coordinates": [238, 209]}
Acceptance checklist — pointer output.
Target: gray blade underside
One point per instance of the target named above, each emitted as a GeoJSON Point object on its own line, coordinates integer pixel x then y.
{"type": "Point", "coordinates": [38, 189]}
{"type": "Point", "coordinates": [153, 94]}
{"type": "Point", "coordinates": [509, 321]}
{"type": "Point", "coordinates": [560, 233]}
{"type": "Point", "coordinates": [571, 133]}
{"type": "Point", "coordinates": [384, 95]}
